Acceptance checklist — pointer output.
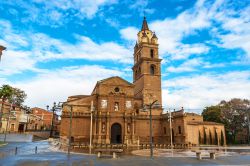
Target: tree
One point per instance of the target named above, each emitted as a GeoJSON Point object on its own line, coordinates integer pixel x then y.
{"type": "Point", "coordinates": [213, 114]}
{"type": "Point", "coordinates": [231, 113]}
{"type": "Point", "coordinates": [13, 95]}
{"type": "Point", "coordinates": [20, 96]}
{"type": "Point", "coordinates": [5, 94]}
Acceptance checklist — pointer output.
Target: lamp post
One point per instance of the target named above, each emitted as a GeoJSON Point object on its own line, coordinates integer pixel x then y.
{"type": "Point", "coordinates": [91, 126]}
{"type": "Point", "coordinates": [170, 128]}
{"type": "Point", "coordinates": [248, 121]}
{"type": "Point", "coordinates": [27, 112]}
{"type": "Point", "coordinates": [52, 120]}
{"type": "Point", "coordinates": [70, 128]}
{"type": "Point", "coordinates": [235, 114]}
{"type": "Point", "coordinates": [151, 129]}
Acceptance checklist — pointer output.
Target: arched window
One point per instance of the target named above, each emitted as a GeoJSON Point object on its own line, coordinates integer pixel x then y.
{"type": "Point", "coordinates": [152, 69]}
{"type": "Point", "coordinates": [139, 71]}
{"type": "Point", "coordinates": [152, 53]}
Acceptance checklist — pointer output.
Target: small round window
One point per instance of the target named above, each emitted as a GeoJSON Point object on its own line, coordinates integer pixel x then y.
{"type": "Point", "coordinates": [117, 89]}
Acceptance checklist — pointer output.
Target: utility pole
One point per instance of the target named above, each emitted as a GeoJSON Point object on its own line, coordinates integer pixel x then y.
{"type": "Point", "coordinates": [70, 128]}
{"type": "Point", "coordinates": [170, 125]}
{"type": "Point", "coordinates": [170, 128]}
{"type": "Point", "coordinates": [151, 129]}
{"type": "Point", "coordinates": [151, 139]}
{"type": "Point", "coordinates": [91, 127]}
{"type": "Point", "coordinates": [52, 120]}
{"type": "Point", "coordinates": [248, 121]}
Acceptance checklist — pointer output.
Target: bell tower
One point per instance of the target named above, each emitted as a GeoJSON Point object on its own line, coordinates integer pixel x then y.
{"type": "Point", "coordinates": [147, 66]}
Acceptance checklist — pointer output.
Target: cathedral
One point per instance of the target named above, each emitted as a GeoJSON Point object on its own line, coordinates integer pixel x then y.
{"type": "Point", "coordinates": [118, 112]}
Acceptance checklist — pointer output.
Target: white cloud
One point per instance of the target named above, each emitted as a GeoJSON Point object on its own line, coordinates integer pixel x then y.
{"type": "Point", "coordinates": [142, 6]}
{"type": "Point", "coordinates": [194, 64]}
{"type": "Point", "coordinates": [233, 30]}
{"type": "Point", "coordinates": [113, 22]}
{"type": "Point", "coordinates": [129, 33]}
{"type": "Point", "coordinates": [13, 62]}
{"type": "Point", "coordinates": [171, 31]}
{"type": "Point", "coordinates": [26, 49]}
{"type": "Point", "coordinates": [48, 48]}
{"type": "Point", "coordinates": [57, 85]}
{"type": "Point", "coordinates": [238, 25]}
{"type": "Point", "coordinates": [203, 90]}
{"type": "Point", "coordinates": [187, 66]}
{"type": "Point", "coordinates": [58, 12]}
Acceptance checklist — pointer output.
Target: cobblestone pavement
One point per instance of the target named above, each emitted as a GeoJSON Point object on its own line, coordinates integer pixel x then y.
{"type": "Point", "coordinates": [59, 159]}
{"type": "Point", "coordinates": [45, 157]}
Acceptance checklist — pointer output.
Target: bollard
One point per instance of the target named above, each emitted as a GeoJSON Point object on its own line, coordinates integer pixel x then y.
{"type": "Point", "coordinates": [16, 151]}
{"type": "Point", "coordinates": [36, 150]}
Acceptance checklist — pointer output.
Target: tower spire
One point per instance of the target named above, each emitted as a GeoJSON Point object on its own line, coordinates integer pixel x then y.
{"type": "Point", "coordinates": [144, 24]}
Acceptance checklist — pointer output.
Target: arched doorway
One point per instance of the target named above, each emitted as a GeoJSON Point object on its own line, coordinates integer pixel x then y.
{"type": "Point", "coordinates": [116, 133]}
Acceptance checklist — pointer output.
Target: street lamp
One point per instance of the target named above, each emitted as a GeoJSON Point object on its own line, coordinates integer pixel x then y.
{"type": "Point", "coordinates": [150, 106]}
{"type": "Point", "coordinates": [235, 114]}
{"type": "Point", "coordinates": [91, 126]}
{"type": "Point", "coordinates": [248, 121]}
{"type": "Point", "coordinates": [170, 128]}
{"type": "Point", "coordinates": [27, 111]}
{"type": "Point", "coordinates": [52, 120]}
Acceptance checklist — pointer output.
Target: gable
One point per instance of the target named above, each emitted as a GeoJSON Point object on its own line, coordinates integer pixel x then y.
{"type": "Point", "coordinates": [115, 81]}
{"type": "Point", "coordinates": [111, 81]}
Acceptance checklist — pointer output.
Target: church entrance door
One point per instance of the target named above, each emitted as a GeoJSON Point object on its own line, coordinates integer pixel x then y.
{"type": "Point", "coordinates": [116, 134]}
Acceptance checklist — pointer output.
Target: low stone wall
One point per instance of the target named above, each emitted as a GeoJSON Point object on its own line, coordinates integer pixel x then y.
{"type": "Point", "coordinates": [13, 137]}
{"type": "Point", "coordinates": [39, 134]}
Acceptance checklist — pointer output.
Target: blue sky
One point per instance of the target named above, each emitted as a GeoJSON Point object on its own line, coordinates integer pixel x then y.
{"type": "Point", "coordinates": [60, 48]}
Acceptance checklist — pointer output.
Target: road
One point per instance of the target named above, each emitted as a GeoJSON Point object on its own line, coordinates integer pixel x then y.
{"type": "Point", "coordinates": [26, 157]}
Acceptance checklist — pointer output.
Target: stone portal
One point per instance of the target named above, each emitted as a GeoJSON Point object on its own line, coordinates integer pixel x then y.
{"type": "Point", "coordinates": [116, 134]}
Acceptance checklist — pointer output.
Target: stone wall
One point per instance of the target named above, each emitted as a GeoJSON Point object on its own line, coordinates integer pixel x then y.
{"type": "Point", "coordinates": [17, 137]}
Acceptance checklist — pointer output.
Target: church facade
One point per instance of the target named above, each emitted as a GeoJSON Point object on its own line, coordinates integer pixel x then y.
{"type": "Point", "coordinates": [117, 111]}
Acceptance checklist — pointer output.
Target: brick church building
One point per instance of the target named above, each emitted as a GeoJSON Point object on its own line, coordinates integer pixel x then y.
{"type": "Point", "coordinates": [120, 109]}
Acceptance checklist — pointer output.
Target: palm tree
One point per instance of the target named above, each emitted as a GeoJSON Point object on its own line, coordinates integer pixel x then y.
{"type": "Point", "coordinates": [6, 92]}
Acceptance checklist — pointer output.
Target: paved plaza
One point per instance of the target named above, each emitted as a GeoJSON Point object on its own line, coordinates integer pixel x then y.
{"type": "Point", "coordinates": [46, 155]}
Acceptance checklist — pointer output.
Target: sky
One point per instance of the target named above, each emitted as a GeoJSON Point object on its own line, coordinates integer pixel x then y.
{"type": "Point", "coordinates": [57, 49]}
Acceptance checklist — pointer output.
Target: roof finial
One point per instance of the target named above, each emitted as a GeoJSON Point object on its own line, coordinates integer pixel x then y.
{"type": "Point", "coordinates": [144, 24]}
